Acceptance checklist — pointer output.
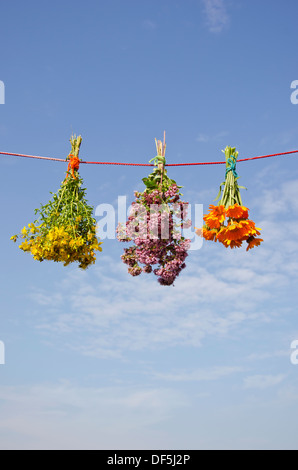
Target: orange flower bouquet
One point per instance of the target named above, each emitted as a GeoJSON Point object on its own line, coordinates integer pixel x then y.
{"type": "Point", "coordinates": [228, 222]}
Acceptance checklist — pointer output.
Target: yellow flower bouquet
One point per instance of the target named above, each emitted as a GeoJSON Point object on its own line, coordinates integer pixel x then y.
{"type": "Point", "coordinates": [65, 230]}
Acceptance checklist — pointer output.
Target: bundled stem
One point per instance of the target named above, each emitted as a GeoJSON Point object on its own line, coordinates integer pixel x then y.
{"type": "Point", "coordinates": [231, 192]}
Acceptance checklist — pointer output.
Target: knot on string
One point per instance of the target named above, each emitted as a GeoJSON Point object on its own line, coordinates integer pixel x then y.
{"type": "Point", "coordinates": [158, 160]}
{"type": "Point", "coordinates": [232, 166]}
{"type": "Point", "coordinates": [74, 164]}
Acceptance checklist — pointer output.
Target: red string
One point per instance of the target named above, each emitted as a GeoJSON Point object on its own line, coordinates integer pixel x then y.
{"type": "Point", "coordinates": [33, 156]}
{"type": "Point", "coordinates": [148, 164]}
{"type": "Point", "coordinates": [240, 160]}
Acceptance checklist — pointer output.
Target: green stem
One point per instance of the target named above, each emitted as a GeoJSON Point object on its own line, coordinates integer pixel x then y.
{"type": "Point", "coordinates": [231, 192]}
{"type": "Point", "coordinates": [75, 144]}
{"type": "Point", "coordinates": [61, 197]}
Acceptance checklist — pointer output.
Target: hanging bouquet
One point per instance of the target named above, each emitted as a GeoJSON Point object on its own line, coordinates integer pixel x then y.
{"type": "Point", "coordinates": [154, 226]}
{"type": "Point", "coordinates": [228, 222]}
{"type": "Point", "coordinates": [65, 230]}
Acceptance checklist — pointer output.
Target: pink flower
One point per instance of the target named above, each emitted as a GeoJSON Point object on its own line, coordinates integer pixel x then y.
{"type": "Point", "coordinates": [153, 227]}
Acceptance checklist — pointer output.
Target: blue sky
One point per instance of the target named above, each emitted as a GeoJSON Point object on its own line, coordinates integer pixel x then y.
{"type": "Point", "coordinates": [99, 359]}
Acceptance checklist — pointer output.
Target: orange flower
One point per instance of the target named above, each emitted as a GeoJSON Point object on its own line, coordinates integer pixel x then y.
{"type": "Point", "coordinates": [237, 231]}
{"type": "Point", "coordinates": [250, 228]}
{"type": "Point", "coordinates": [237, 212]}
{"type": "Point", "coordinates": [219, 212]}
{"type": "Point", "coordinates": [252, 242]}
{"type": "Point", "coordinates": [239, 227]}
{"type": "Point", "coordinates": [232, 243]}
{"type": "Point", "coordinates": [209, 234]}
{"type": "Point", "coordinates": [233, 231]}
{"type": "Point", "coordinates": [211, 222]}
{"type": "Point", "coordinates": [221, 235]}
{"type": "Point", "coordinates": [216, 216]}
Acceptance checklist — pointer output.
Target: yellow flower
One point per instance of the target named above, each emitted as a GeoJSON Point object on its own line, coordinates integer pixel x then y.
{"type": "Point", "coordinates": [60, 243]}
{"type": "Point", "coordinates": [14, 238]}
{"type": "Point", "coordinates": [24, 246]}
{"type": "Point", "coordinates": [33, 229]}
{"type": "Point", "coordinates": [60, 231]}
{"type": "Point", "coordinates": [51, 235]}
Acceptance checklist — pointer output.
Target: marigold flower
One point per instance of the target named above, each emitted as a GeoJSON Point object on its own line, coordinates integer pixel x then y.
{"type": "Point", "coordinates": [218, 211]}
{"type": "Point", "coordinates": [252, 242]}
{"type": "Point", "coordinates": [215, 217]}
{"type": "Point", "coordinates": [237, 212]}
{"type": "Point", "coordinates": [209, 234]}
{"type": "Point", "coordinates": [232, 243]}
{"type": "Point", "coordinates": [211, 222]}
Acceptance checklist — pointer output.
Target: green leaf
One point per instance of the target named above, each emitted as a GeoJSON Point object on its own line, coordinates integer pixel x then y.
{"type": "Point", "coordinates": [220, 189]}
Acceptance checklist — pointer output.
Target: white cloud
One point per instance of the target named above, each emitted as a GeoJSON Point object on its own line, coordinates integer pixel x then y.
{"type": "Point", "coordinates": [109, 313]}
{"type": "Point", "coordinates": [282, 200]}
{"type": "Point", "coordinates": [149, 24]}
{"type": "Point", "coordinates": [49, 300]}
{"type": "Point", "coordinates": [200, 375]}
{"type": "Point", "coordinates": [204, 138]}
{"type": "Point", "coordinates": [217, 17]}
{"type": "Point", "coordinates": [261, 382]}
{"type": "Point", "coordinates": [268, 355]}
{"type": "Point", "coordinates": [221, 292]}
{"type": "Point", "coordinates": [65, 416]}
